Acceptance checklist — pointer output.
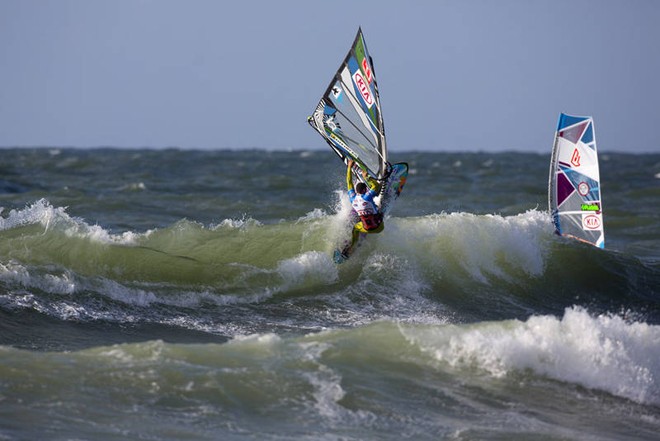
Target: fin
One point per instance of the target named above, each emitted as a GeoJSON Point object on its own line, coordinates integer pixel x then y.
{"type": "Point", "coordinates": [340, 257]}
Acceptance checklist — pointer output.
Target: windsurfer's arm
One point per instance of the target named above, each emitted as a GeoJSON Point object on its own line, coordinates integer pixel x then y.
{"type": "Point", "coordinates": [371, 182]}
{"type": "Point", "coordinates": [349, 175]}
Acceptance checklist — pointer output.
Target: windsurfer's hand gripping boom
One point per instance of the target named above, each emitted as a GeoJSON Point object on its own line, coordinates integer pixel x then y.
{"type": "Point", "coordinates": [371, 182]}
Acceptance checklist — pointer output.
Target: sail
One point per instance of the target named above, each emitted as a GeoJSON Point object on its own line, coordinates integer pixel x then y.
{"type": "Point", "coordinates": [349, 116]}
{"type": "Point", "coordinates": [574, 186]}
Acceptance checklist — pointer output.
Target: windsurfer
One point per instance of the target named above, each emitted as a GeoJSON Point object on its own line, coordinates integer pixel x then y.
{"type": "Point", "coordinates": [362, 200]}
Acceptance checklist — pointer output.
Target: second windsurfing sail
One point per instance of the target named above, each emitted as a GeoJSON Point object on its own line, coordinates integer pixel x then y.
{"type": "Point", "coordinates": [574, 186]}
{"type": "Point", "coordinates": [349, 117]}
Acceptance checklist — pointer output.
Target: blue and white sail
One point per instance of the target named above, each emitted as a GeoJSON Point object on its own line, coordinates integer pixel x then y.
{"type": "Point", "coordinates": [348, 115]}
{"type": "Point", "coordinates": [574, 186]}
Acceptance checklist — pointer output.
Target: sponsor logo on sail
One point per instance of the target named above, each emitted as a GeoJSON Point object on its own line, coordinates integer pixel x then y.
{"type": "Point", "coordinates": [591, 222]}
{"type": "Point", "coordinates": [363, 87]}
{"type": "Point", "coordinates": [332, 124]}
{"type": "Point", "coordinates": [575, 159]}
{"type": "Point", "coordinates": [340, 141]}
{"type": "Point", "coordinates": [367, 70]}
{"type": "Point", "coordinates": [590, 207]}
{"type": "Point", "coordinates": [583, 188]}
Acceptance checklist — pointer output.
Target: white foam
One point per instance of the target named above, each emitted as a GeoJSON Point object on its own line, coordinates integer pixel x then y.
{"type": "Point", "coordinates": [310, 267]}
{"type": "Point", "coordinates": [244, 222]}
{"type": "Point", "coordinates": [41, 212]}
{"type": "Point", "coordinates": [133, 186]}
{"type": "Point", "coordinates": [338, 230]}
{"type": "Point", "coordinates": [600, 352]}
{"type": "Point", "coordinates": [256, 339]}
{"type": "Point", "coordinates": [63, 283]}
{"type": "Point", "coordinates": [327, 392]}
{"type": "Point", "coordinates": [129, 296]}
{"type": "Point", "coordinates": [132, 354]}
{"type": "Point", "coordinates": [482, 245]}
{"type": "Point", "coordinates": [326, 382]}
{"type": "Point", "coordinates": [315, 214]}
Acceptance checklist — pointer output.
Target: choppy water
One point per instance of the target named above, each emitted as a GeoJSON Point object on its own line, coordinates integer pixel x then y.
{"type": "Point", "coordinates": [171, 295]}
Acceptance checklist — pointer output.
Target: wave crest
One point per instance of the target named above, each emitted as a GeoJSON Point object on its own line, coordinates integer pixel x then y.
{"type": "Point", "coordinates": [602, 352]}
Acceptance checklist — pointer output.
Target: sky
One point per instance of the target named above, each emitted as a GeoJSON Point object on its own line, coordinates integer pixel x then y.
{"type": "Point", "coordinates": [453, 75]}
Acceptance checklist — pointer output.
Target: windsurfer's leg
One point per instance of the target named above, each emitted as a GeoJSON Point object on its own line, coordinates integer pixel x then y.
{"type": "Point", "coordinates": [355, 234]}
{"type": "Point", "coordinates": [357, 229]}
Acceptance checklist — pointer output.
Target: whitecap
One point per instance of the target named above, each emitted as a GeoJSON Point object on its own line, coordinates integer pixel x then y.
{"type": "Point", "coordinates": [603, 352]}
{"type": "Point", "coordinates": [309, 267]}
{"type": "Point", "coordinates": [56, 218]}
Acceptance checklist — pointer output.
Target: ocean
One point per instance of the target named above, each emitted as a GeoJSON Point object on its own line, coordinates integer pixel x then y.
{"type": "Point", "coordinates": [191, 295]}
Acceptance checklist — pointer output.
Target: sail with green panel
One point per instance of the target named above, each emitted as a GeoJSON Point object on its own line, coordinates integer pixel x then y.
{"type": "Point", "coordinates": [348, 115]}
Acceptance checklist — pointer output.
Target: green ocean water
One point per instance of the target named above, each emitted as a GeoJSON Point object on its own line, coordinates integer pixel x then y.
{"type": "Point", "coordinates": [173, 294]}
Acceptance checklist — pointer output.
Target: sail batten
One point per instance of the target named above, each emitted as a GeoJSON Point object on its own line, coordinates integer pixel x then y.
{"type": "Point", "coordinates": [574, 195]}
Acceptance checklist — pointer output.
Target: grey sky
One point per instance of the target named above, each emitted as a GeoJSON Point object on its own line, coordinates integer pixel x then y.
{"type": "Point", "coordinates": [453, 75]}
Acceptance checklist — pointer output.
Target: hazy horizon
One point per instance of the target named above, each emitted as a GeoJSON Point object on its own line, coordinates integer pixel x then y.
{"type": "Point", "coordinates": [397, 153]}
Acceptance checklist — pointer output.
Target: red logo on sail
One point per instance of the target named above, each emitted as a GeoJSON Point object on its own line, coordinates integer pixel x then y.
{"type": "Point", "coordinates": [591, 222]}
{"type": "Point", "coordinates": [367, 70]}
{"type": "Point", "coordinates": [583, 188]}
{"type": "Point", "coordinates": [363, 87]}
{"type": "Point", "coordinates": [575, 159]}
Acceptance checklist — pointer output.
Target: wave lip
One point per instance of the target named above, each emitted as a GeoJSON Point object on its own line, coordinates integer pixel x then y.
{"type": "Point", "coordinates": [604, 352]}
{"type": "Point", "coordinates": [43, 213]}
{"type": "Point", "coordinates": [484, 247]}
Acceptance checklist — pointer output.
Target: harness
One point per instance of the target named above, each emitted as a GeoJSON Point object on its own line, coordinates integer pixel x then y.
{"type": "Point", "coordinates": [371, 221]}
{"type": "Point", "coordinates": [368, 211]}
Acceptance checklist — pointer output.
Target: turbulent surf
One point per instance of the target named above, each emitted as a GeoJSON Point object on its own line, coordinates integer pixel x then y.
{"type": "Point", "coordinates": [146, 295]}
